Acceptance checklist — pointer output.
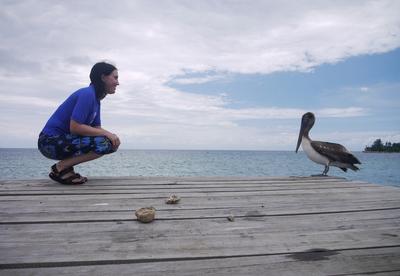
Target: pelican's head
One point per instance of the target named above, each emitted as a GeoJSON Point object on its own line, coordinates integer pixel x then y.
{"type": "Point", "coordinates": [307, 122]}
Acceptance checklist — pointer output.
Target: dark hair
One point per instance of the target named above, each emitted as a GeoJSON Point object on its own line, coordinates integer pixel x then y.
{"type": "Point", "coordinates": [98, 70]}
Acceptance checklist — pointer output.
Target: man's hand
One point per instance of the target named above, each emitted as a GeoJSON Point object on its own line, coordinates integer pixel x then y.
{"type": "Point", "coordinates": [114, 140]}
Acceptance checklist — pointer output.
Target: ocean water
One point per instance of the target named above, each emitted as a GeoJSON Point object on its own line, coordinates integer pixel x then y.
{"type": "Point", "coordinates": [378, 168]}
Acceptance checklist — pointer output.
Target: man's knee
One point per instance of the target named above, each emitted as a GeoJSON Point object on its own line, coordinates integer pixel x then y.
{"type": "Point", "coordinates": [103, 145]}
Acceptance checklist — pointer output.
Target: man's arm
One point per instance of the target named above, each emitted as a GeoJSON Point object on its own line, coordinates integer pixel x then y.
{"type": "Point", "coordinates": [85, 130]}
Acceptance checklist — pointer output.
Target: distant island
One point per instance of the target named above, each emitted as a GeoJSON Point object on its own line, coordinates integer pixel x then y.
{"type": "Point", "coordinates": [378, 146]}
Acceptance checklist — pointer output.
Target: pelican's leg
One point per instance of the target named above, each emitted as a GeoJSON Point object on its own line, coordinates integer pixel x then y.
{"type": "Point", "coordinates": [325, 171]}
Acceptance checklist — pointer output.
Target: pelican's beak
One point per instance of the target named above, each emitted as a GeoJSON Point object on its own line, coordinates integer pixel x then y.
{"type": "Point", "coordinates": [302, 128]}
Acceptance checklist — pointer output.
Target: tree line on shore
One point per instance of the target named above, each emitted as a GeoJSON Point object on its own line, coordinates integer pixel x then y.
{"type": "Point", "coordinates": [378, 146]}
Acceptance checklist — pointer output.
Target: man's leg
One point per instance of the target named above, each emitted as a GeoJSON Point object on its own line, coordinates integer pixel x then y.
{"type": "Point", "coordinates": [75, 160]}
{"type": "Point", "coordinates": [72, 161]}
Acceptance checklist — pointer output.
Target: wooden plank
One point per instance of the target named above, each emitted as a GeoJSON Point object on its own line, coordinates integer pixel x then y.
{"type": "Point", "coordinates": [47, 228]}
{"type": "Point", "coordinates": [12, 214]}
{"type": "Point", "coordinates": [345, 192]}
{"type": "Point", "coordinates": [164, 179]}
{"type": "Point", "coordinates": [119, 190]}
{"type": "Point", "coordinates": [101, 211]}
{"type": "Point", "coordinates": [286, 204]}
{"type": "Point", "coordinates": [183, 180]}
{"type": "Point", "coordinates": [74, 242]}
{"type": "Point", "coordinates": [131, 183]}
{"type": "Point", "coordinates": [259, 196]}
{"type": "Point", "coordinates": [376, 261]}
{"type": "Point", "coordinates": [17, 189]}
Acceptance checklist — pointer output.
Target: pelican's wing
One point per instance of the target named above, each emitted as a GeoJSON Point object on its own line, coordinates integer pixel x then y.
{"type": "Point", "coordinates": [335, 152]}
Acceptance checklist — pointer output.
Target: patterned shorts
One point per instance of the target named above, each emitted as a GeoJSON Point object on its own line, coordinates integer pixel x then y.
{"type": "Point", "coordinates": [60, 147]}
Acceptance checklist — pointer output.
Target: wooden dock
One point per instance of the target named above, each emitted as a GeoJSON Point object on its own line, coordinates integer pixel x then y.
{"type": "Point", "coordinates": [281, 226]}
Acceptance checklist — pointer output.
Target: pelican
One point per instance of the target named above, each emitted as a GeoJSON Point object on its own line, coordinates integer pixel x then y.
{"type": "Point", "coordinates": [324, 153]}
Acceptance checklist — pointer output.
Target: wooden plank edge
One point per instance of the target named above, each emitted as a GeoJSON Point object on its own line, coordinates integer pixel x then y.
{"type": "Point", "coordinates": [33, 265]}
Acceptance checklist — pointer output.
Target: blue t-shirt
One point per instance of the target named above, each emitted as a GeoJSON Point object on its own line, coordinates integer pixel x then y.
{"type": "Point", "coordinates": [81, 106]}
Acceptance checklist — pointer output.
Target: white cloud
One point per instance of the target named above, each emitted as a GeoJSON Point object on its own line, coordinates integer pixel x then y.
{"type": "Point", "coordinates": [342, 112]}
{"type": "Point", "coordinates": [28, 101]}
{"type": "Point", "coordinates": [199, 80]}
{"type": "Point", "coordinates": [163, 38]}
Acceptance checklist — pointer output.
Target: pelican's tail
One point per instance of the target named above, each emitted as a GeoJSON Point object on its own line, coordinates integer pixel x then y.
{"type": "Point", "coordinates": [354, 168]}
{"type": "Point", "coordinates": [345, 166]}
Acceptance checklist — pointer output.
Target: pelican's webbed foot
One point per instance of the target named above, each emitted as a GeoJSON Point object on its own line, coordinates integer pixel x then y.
{"type": "Point", "coordinates": [324, 173]}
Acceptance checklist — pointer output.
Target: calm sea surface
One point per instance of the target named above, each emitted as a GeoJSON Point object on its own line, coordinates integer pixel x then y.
{"type": "Point", "coordinates": [378, 168]}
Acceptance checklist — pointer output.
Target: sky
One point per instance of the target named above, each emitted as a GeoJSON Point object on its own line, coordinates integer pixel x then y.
{"type": "Point", "coordinates": [215, 75]}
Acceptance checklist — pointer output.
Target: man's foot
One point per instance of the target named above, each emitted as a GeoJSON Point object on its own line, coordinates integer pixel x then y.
{"type": "Point", "coordinates": [66, 176]}
{"type": "Point", "coordinates": [83, 177]}
{"type": "Point", "coordinates": [72, 172]}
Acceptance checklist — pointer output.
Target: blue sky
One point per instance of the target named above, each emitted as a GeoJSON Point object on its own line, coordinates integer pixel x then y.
{"type": "Point", "coordinates": [368, 81]}
{"type": "Point", "coordinates": [207, 74]}
{"type": "Point", "coordinates": [304, 89]}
